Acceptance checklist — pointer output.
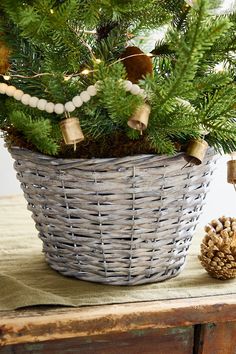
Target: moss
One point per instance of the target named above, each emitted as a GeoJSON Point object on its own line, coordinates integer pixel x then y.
{"type": "Point", "coordinates": [117, 145]}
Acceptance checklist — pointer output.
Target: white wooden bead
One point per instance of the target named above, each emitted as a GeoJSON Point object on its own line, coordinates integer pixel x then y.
{"type": "Point", "coordinates": [33, 102]}
{"type": "Point", "coordinates": [41, 104]}
{"type": "Point", "coordinates": [77, 101]}
{"type": "Point", "coordinates": [135, 90]}
{"type": "Point", "coordinates": [3, 88]}
{"type": "Point", "coordinates": [92, 91]}
{"type": "Point", "coordinates": [59, 108]}
{"type": "Point", "coordinates": [49, 108]}
{"type": "Point", "coordinates": [10, 90]}
{"type": "Point", "coordinates": [25, 99]}
{"type": "Point", "coordinates": [127, 85]}
{"type": "Point", "coordinates": [97, 85]}
{"type": "Point", "coordinates": [85, 96]}
{"type": "Point", "coordinates": [18, 95]}
{"type": "Point", "coordinates": [142, 93]}
{"type": "Point", "coordinates": [69, 106]}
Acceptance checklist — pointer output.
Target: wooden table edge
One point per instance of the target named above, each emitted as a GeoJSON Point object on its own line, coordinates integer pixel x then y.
{"type": "Point", "coordinates": [43, 324]}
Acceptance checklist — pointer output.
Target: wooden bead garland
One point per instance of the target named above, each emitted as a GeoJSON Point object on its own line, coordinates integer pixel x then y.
{"type": "Point", "coordinates": [60, 108]}
{"type": "Point", "coordinates": [70, 127]}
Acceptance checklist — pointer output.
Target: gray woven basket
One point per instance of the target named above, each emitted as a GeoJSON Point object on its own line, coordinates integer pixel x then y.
{"type": "Point", "coordinates": [120, 221]}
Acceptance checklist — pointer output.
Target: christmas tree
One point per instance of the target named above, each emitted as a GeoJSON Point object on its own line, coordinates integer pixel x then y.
{"type": "Point", "coordinates": [84, 59]}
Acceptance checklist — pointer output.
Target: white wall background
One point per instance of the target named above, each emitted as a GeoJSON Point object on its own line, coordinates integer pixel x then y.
{"type": "Point", "coordinates": [9, 185]}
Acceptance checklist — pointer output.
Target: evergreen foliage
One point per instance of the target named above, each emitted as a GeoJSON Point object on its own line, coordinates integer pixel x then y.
{"type": "Point", "coordinates": [51, 40]}
{"type": "Point", "coordinates": [38, 131]}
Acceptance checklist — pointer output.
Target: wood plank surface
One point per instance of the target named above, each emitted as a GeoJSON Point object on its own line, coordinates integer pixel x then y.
{"type": "Point", "coordinates": [217, 338]}
{"type": "Point", "coordinates": [160, 327]}
{"type": "Point", "coordinates": [46, 324]}
{"type": "Point", "coordinates": [159, 341]}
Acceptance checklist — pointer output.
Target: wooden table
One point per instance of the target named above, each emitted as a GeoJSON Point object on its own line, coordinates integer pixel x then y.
{"type": "Point", "coordinates": [205, 325]}
{"type": "Point", "coordinates": [199, 325]}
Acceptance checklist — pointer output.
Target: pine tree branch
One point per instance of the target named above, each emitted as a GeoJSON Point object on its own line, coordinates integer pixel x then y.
{"type": "Point", "coordinates": [37, 132]}
{"type": "Point", "coordinates": [55, 37]}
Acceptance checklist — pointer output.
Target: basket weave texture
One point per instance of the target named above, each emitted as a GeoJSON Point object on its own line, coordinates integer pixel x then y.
{"type": "Point", "coordinates": [120, 221]}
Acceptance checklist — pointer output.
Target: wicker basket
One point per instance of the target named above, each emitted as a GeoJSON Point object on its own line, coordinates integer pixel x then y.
{"type": "Point", "coordinates": [120, 221]}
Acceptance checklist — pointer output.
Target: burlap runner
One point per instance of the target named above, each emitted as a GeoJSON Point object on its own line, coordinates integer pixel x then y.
{"type": "Point", "coordinates": [26, 280]}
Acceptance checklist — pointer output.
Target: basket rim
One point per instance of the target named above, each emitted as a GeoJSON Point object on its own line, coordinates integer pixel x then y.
{"type": "Point", "coordinates": [159, 157]}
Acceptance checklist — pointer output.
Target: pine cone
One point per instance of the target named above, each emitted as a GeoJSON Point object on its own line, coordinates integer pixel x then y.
{"type": "Point", "coordinates": [218, 248]}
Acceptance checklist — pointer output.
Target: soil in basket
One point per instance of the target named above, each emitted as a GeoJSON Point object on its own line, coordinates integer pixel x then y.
{"type": "Point", "coordinates": [117, 145]}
